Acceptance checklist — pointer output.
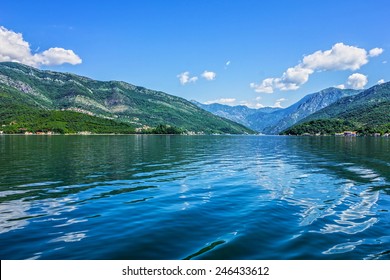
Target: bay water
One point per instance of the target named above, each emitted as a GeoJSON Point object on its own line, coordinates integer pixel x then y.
{"type": "Point", "coordinates": [194, 197]}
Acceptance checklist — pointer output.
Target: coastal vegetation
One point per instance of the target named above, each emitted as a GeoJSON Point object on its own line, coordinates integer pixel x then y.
{"type": "Point", "coordinates": [26, 120]}
{"type": "Point", "coordinates": [367, 113]}
{"type": "Point", "coordinates": [336, 126]}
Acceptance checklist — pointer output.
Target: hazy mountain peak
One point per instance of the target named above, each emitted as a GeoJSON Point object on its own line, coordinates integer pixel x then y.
{"type": "Point", "coordinates": [273, 120]}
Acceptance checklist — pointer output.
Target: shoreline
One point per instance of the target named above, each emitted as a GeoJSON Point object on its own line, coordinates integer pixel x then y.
{"type": "Point", "coordinates": [130, 134]}
{"type": "Point", "coordinates": [153, 134]}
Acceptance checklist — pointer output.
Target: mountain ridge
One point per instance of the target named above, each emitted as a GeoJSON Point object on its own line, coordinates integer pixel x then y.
{"type": "Point", "coordinates": [115, 100]}
{"type": "Point", "coordinates": [274, 120]}
{"type": "Point", "coordinates": [310, 104]}
{"type": "Point", "coordinates": [367, 112]}
{"type": "Point", "coordinates": [238, 113]}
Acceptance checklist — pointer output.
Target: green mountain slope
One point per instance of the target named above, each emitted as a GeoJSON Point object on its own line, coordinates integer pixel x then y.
{"type": "Point", "coordinates": [109, 101]}
{"type": "Point", "coordinates": [16, 117]}
{"type": "Point", "coordinates": [367, 112]}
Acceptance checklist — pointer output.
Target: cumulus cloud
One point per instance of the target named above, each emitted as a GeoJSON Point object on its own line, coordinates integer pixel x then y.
{"type": "Point", "coordinates": [381, 81]}
{"type": "Point", "coordinates": [375, 52]}
{"type": "Point", "coordinates": [292, 79]}
{"type": "Point", "coordinates": [185, 78]}
{"type": "Point", "coordinates": [209, 75]}
{"type": "Point", "coordinates": [15, 49]}
{"type": "Point", "coordinates": [225, 101]}
{"type": "Point", "coordinates": [266, 86]}
{"type": "Point", "coordinates": [355, 81]}
{"type": "Point", "coordinates": [339, 57]}
{"type": "Point", "coordinates": [57, 56]}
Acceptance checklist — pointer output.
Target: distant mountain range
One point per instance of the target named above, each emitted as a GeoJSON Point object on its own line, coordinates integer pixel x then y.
{"type": "Point", "coordinates": [32, 99]}
{"type": "Point", "coordinates": [367, 112]}
{"type": "Point", "coordinates": [240, 114]}
{"type": "Point", "coordinates": [274, 120]}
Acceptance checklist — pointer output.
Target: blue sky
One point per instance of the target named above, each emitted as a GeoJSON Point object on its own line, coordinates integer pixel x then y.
{"type": "Point", "coordinates": [260, 53]}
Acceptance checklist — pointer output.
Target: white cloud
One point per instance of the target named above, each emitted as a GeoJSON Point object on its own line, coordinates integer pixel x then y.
{"type": "Point", "coordinates": [225, 101]}
{"type": "Point", "coordinates": [290, 80]}
{"type": "Point", "coordinates": [339, 57]}
{"type": "Point", "coordinates": [253, 105]}
{"type": "Point", "coordinates": [234, 102]}
{"type": "Point", "coordinates": [209, 75]}
{"type": "Point", "coordinates": [14, 48]}
{"type": "Point", "coordinates": [57, 56]}
{"type": "Point", "coordinates": [266, 86]}
{"type": "Point", "coordinates": [278, 103]}
{"type": "Point", "coordinates": [375, 52]}
{"type": "Point", "coordinates": [381, 81]}
{"type": "Point", "coordinates": [342, 86]}
{"type": "Point", "coordinates": [296, 75]}
{"type": "Point", "coordinates": [384, 62]}
{"type": "Point", "coordinates": [185, 78]}
{"type": "Point", "coordinates": [259, 105]}
{"type": "Point", "coordinates": [356, 81]}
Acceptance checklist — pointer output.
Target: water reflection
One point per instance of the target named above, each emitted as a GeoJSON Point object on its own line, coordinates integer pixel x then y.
{"type": "Point", "coordinates": [344, 247]}
{"type": "Point", "coordinates": [204, 197]}
{"type": "Point", "coordinates": [12, 216]}
{"type": "Point", "coordinates": [70, 237]}
{"type": "Point", "coordinates": [18, 213]}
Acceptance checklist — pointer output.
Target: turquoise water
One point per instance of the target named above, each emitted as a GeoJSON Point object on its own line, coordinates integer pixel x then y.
{"type": "Point", "coordinates": [194, 197]}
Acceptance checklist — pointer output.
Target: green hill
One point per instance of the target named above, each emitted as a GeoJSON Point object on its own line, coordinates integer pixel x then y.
{"type": "Point", "coordinates": [366, 113]}
{"type": "Point", "coordinates": [72, 103]}
{"type": "Point", "coordinates": [16, 117]}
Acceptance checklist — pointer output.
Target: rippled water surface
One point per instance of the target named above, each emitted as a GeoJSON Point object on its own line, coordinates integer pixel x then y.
{"type": "Point", "coordinates": [194, 197]}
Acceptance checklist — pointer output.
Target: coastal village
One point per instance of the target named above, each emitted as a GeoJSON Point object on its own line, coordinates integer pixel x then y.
{"type": "Point", "coordinates": [348, 134]}
{"type": "Point", "coordinates": [23, 131]}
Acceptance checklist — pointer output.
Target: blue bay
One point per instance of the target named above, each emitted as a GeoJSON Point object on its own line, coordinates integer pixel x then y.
{"type": "Point", "coordinates": [194, 197]}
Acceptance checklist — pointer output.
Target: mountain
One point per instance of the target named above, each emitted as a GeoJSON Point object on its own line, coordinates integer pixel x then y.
{"type": "Point", "coordinates": [31, 90]}
{"type": "Point", "coordinates": [274, 120]}
{"type": "Point", "coordinates": [239, 114]}
{"type": "Point", "coordinates": [308, 105]}
{"type": "Point", "coordinates": [366, 112]}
